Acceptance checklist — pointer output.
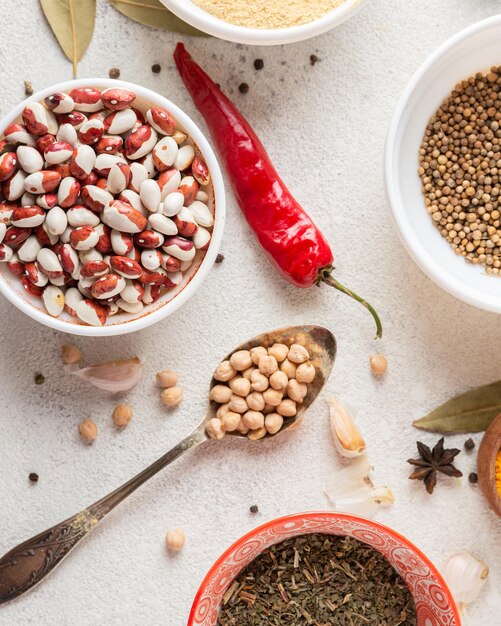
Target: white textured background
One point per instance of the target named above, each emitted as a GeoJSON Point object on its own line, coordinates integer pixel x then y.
{"type": "Point", "coordinates": [325, 128]}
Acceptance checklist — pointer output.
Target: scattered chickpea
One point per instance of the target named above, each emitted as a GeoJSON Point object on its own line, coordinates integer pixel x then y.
{"type": "Point", "coordinates": [273, 423]}
{"type": "Point", "coordinates": [273, 397]}
{"type": "Point", "coordinates": [288, 368]}
{"type": "Point", "coordinates": [279, 380]}
{"type": "Point", "coordinates": [279, 351]}
{"type": "Point", "coordinates": [240, 386]}
{"type": "Point", "coordinates": [257, 353]}
{"type": "Point", "coordinates": [379, 364]}
{"type": "Point", "coordinates": [298, 354]}
{"type": "Point", "coordinates": [214, 428]}
{"type": "Point", "coordinates": [175, 539]}
{"type": "Point", "coordinates": [253, 419]}
{"type": "Point", "coordinates": [268, 365]}
{"type": "Point", "coordinates": [259, 433]}
{"type": "Point", "coordinates": [287, 408]}
{"type": "Point", "coordinates": [297, 391]}
{"type": "Point", "coordinates": [70, 354]}
{"type": "Point", "coordinates": [122, 415]}
{"type": "Point", "coordinates": [88, 430]}
{"type": "Point", "coordinates": [305, 373]}
{"type": "Point", "coordinates": [238, 404]}
{"type": "Point", "coordinates": [241, 360]}
{"type": "Point", "coordinates": [224, 372]}
{"type": "Point", "coordinates": [259, 382]}
{"type": "Point", "coordinates": [220, 394]}
{"type": "Point", "coordinates": [166, 379]}
{"type": "Point", "coordinates": [230, 421]}
{"type": "Point", "coordinates": [255, 401]}
{"type": "Point", "coordinates": [172, 396]}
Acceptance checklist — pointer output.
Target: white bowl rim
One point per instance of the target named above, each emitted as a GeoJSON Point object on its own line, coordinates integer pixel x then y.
{"type": "Point", "coordinates": [217, 27]}
{"type": "Point", "coordinates": [146, 319]}
{"type": "Point", "coordinates": [411, 242]}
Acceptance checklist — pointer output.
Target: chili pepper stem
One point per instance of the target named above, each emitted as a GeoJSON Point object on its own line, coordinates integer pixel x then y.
{"type": "Point", "coordinates": [329, 279]}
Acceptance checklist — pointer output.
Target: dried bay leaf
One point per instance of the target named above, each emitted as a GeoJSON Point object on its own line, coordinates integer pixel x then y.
{"type": "Point", "coordinates": [470, 412]}
{"type": "Point", "coordinates": [72, 22]}
{"type": "Point", "coordinates": [153, 13]}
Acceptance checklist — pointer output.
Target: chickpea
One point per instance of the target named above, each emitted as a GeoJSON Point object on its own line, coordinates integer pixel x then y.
{"type": "Point", "coordinates": [241, 360]}
{"type": "Point", "coordinates": [273, 397]}
{"type": "Point", "coordinates": [220, 394]}
{"type": "Point", "coordinates": [224, 372]}
{"type": "Point", "coordinates": [175, 539]}
{"type": "Point", "coordinates": [240, 386]}
{"type": "Point", "coordinates": [268, 409]}
{"type": "Point", "coordinates": [273, 423]}
{"type": "Point", "coordinates": [214, 428]}
{"type": "Point", "coordinates": [70, 354]}
{"type": "Point", "coordinates": [253, 419]}
{"type": "Point", "coordinates": [279, 380]}
{"type": "Point", "coordinates": [289, 368]}
{"type": "Point", "coordinates": [379, 364]}
{"type": "Point", "coordinates": [297, 391]}
{"type": "Point", "coordinates": [305, 373]}
{"type": "Point", "coordinates": [298, 354]}
{"type": "Point", "coordinates": [248, 372]}
{"type": "Point", "coordinates": [259, 382]}
{"type": "Point", "coordinates": [242, 428]}
{"type": "Point", "coordinates": [287, 408]}
{"type": "Point", "coordinates": [255, 401]}
{"type": "Point", "coordinates": [167, 379]}
{"type": "Point", "coordinates": [238, 404]}
{"type": "Point", "coordinates": [230, 421]}
{"type": "Point", "coordinates": [88, 430]}
{"type": "Point", "coordinates": [254, 435]}
{"type": "Point", "coordinates": [268, 365]}
{"type": "Point", "coordinates": [257, 353]}
{"type": "Point", "coordinates": [279, 351]}
{"type": "Point", "coordinates": [122, 415]}
{"type": "Point", "coordinates": [222, 410]}
{"type": "Point", "coordinates": [172, 396]}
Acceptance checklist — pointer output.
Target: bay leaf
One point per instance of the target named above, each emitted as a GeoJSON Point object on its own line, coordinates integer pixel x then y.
{"type": "Point", "coordinates": [72, 22]}
{"type": "Point", "coordinates": [469, 412]}
{"type": "Point", "coordinates": [153, 13]}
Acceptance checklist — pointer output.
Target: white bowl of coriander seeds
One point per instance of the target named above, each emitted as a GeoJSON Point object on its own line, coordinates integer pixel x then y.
{"type": "Point", "coordinates": [264, 22]}
{"type": "Point", "coordinates": [112, 208]}
{"type": "Point", "coordinates": [443, 165]}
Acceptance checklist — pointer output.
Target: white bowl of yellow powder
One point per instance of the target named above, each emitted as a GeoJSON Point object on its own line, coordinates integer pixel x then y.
{"type": "Point", "coordinates": [264, 22]}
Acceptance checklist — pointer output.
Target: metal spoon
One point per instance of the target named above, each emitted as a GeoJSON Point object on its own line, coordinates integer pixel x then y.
{"type": "Point", "coordinates": [26, 565]}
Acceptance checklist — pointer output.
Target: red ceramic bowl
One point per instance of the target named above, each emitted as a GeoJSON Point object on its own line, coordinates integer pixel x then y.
{"type": "Point", "coordinates": [434, 603]}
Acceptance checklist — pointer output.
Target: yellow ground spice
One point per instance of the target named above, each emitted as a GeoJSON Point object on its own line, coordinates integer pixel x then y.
{"type": "Point", "coordinates": [497, 473]}
{"type": "Point", "coordinates": [268, 13]}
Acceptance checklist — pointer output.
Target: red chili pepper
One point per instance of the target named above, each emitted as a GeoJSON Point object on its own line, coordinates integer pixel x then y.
{"type": "Point", "coordinates": [288, 235]}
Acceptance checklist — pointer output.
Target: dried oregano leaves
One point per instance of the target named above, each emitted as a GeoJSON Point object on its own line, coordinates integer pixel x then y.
{"type": "Point", "coordinates": [153, 13]}
{"type": "Point", "coordinates": [470, 412]}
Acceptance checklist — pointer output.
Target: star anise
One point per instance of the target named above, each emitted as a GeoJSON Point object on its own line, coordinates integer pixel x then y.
{"type": "Point", "coordinates": [432, 462]}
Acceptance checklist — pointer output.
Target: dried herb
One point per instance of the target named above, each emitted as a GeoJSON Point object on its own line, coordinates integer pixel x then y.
{"type": "Point", "coordinates": [72, 22]}
{"type": "Point", "coordinates": [153, 13]}
{"type": "Point", "coordinates": [39, 379]}
{"type": "Point", "coordinates": [470, 412]}
{"type": "Point", "coordinates": [433, 461]}
{"type": "Point", "coordinates": [318, 580]}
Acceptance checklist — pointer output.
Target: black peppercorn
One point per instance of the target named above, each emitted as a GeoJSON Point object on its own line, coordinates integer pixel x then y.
{"type": "Point", "coordinates": [469, 444]}
{"type": "Point", "coordinates": [258, 64]}
{"type": "Point", "coordinates": [243, 88]}
{"type": "Point", "coordinates": [156, 68]}
{"type": "Point", "coordinates": [473, 478]}
{"type": "Point", "coordinates": [254, 508]}
{"type": "Point", "coordinates": [33, 477]}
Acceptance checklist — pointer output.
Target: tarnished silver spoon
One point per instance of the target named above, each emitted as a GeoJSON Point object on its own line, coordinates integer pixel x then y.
{"type": "Point", "coordinates": [26, 565]}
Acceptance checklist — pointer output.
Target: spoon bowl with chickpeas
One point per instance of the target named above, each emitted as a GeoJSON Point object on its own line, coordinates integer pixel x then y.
{"type": "Point", "coordinates": [261, 389]}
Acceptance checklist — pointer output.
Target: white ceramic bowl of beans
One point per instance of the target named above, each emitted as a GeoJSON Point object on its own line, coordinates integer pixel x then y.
{"type": "Point", "coordinates": [168, 302]}
{"type": "Point", "coordinates": [204, 21]}
{"type": "Point", "coordinates": [474, 49]}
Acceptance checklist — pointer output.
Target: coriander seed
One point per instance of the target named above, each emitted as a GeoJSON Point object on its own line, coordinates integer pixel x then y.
{"type": "Point", "coordinates": [473, 478]}
{"type": "Point", "coordinates": [254, 508]}
{"type": "Point", "coordinates": [258, 64]}
{"type": "Point", "coordinates": [114, 72]}
{"type": "Point", "coordinates": [243, 88]}
{"type": "Point", "coordinates": [33, 477]}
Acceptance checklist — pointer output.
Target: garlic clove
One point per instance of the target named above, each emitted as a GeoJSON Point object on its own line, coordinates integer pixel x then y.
{"type": "Point", "coordinates": [465, 575]}
{"type": "Point", "coordinates": [114, 377]}
{"type": "Point", "coordinates": [347, 438]}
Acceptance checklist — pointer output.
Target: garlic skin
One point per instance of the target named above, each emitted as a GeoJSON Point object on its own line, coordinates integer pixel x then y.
{"type": "Point", "coordinates": [465, 575]}
{"type": "Point", "coordinates": [352, 490]}
{"type": "Point", "coordinates": [114, 377]}
{"type": "Point", "coordinates": [347, 438]}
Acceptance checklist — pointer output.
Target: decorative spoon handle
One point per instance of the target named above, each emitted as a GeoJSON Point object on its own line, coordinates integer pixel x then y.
{"type": "Point", "coordinates": [23, 567]}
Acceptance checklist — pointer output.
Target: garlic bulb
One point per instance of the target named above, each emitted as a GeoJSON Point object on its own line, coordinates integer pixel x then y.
{"type": "Point", "coordinates": [352, 490]}
{"type": "Point", "coordinates": [465, 575]}
{"type": "Point", "coordinates": [347, 438]}
{"type": "Point", "coordinates": [115, 376]}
